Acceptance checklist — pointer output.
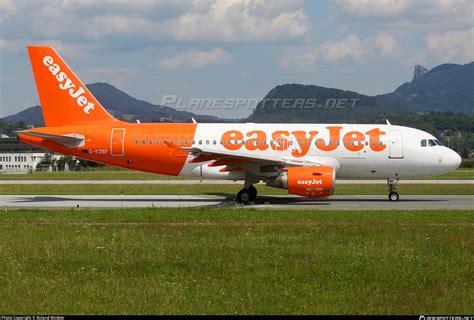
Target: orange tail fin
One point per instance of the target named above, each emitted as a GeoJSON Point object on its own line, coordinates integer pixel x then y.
{"type": "Point", "coordinates": [64, 98]}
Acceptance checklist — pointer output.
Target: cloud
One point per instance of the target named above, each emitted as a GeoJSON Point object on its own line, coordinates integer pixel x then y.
{"type": "Point", "coordinates": [388, 44]}
{"type": "Point", "coordinates": [119, 77]}
{"type": "Point", "coordinates": [306, 58]}
{"type": "Point", "coordinates": [413, 58]}
{"type": "Point", "coordinates": [407, 15]}
{"type": "Point", "coordinates": [367, 8]}
{"type": "Point", "coordinates": [452, 45]}
{"type": "Point", "coordinates": [236, 20]}
{"type": "Point", "coordinates": [8, 7]}
{"type": "Point", "coordinates": [351, 46]}
{"type": "Point", "coordinates": [298, 59]}
{"type": "Point", "coordinates": [13, 47]}
{"type": "Point", "coordinates": [194, 59]}
{"type": "Point", "coordinates": [154, 21]}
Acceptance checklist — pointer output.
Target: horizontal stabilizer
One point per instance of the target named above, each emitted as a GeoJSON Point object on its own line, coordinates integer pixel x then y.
{"type": "Point", "coordinates": [71, 140]}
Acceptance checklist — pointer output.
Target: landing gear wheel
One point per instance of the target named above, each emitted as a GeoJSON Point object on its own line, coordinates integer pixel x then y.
{"type": "Point", "coordinates": [393, 196]}
{"type": "Point", "coordinates": [392, 187]}
{"type": "Point", "coordinates": [244, 196]}
{"type": "Point", "coordinates": [253, 193]}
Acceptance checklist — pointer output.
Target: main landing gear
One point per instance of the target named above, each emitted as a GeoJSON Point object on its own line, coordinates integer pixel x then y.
{"type": "Point", "coordinates": [392, 187]}
{"type": "Point", "coordinates": [247, 195]}
{"type": "Point", "coordinates": [249, 192]}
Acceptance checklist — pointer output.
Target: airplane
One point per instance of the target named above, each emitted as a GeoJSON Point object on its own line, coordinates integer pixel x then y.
{"type": "Point", "coordinates": [305, 159]}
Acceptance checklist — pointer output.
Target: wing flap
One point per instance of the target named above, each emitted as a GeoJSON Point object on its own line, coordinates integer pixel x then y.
{"type": "Point", "coordinates": [233, 158]}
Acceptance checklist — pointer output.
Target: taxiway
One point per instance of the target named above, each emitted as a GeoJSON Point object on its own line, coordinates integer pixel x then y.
{"type": "Point", "coordinates": [342, 202]}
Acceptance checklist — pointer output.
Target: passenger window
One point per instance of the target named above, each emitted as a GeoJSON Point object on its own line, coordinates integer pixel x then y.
{"type": "Point", "coordinates": [423, 143]}
{"type": "Point", "coordinates": [171, 141]}
{"type": "Point", "coordinates": [143, 141]}
{"type": "Point", "coordinates": [186, 142]}
{"type": "Point", "coordinates": [157, 141]}
{"type": "Point", "coordinates": [179, 141]}
{"type": "Point", "coordinates": [222, 142]}
{"type": "Point", "coordinates": [150, 142]}
{"type": "Point", "coordinates": [136, 141]}
{"type": "Point", "coordinates": [214, 142]}
{"type": "Point", "coordinates": [194, 141]}
{"type": "Point", "coordinates": [207, 141]}
{"type": "Point", "coordinates": [302, 142]}
{"type": "Point", "coordinates": [200, 141]}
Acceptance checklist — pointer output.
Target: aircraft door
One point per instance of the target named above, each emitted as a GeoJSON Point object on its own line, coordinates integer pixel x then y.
{"type": "Point", "coordinates": [117, 142]}
{"type": "Point", "coordinates": [282, 143]}
{"type": "Point", "coordinates": [396, 144]}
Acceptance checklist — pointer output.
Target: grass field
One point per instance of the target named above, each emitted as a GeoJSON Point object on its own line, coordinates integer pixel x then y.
{"type": "Point", "coordinates": [460, 174]}
{"type": "Point", "coordinates": [230, 261]}
{"type": "Point", "coordinates": [368, 189]}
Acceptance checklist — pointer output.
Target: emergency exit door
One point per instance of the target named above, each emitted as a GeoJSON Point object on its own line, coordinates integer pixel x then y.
{"type": "Point", "coordinates": [396, 145]}
{"type": "Point", "coordinates": [117, 142]}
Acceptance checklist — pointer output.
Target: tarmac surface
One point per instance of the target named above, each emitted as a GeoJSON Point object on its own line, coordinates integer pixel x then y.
{"type": "Point", "coordinates": [353, 202]}
{"type": "Point", "coordinates": [209, 181]}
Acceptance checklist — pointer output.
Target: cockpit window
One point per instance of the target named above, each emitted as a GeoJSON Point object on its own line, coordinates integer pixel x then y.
{"type": "Point", "coordinates": [423, 143]}
{"type": "Point", "coordinates": [431, 143]}
{"type": "Point", "coordinates": [439, 143]}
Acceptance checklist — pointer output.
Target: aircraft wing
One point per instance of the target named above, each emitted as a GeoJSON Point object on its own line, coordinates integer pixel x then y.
{"type": "Point", "coordinates": [233, 159]}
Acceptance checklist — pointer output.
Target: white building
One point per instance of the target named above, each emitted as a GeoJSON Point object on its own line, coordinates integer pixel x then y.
{"type": "Point", "coordinates": [17, 157]}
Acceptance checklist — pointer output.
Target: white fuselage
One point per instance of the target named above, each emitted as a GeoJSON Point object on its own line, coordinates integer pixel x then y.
{"type": "Point", "coordinates": [354, 150]}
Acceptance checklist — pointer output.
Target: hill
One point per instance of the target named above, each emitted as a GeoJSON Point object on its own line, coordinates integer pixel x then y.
{"type": "Point", "coordinates": [447, 87]}
{"type": "Point", "coordinates": [121, 106]}
{"type": "Point", "coordinates": [31, 116]}
{"type": "Point", "coordinates": [309, 103]}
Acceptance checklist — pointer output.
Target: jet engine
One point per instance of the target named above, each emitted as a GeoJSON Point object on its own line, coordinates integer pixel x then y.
{"type": "Point", "coordinates": [315, 181]}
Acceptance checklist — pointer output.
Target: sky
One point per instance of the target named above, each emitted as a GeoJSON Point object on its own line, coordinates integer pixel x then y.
{"type": "Point", "coordinates": [231, 49]}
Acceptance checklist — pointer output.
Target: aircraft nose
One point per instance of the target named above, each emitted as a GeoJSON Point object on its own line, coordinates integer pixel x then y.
{"type": "Point", "coordinates": [453, 160]}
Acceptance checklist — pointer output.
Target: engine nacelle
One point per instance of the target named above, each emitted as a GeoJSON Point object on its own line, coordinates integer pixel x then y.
{"type": "Point", "coordinates": [316, 181]}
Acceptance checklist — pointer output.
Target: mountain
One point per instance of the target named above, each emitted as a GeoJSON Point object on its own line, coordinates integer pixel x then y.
{"type": "Point", "coordinates": [309, 103]}
{"type": "Point", "coordinates": [419, 72]}
{"type": "Point", "coordinates": [447, 87]}
{"type": "Point", "coordinates": [32, 116]}
{"type": "Point", "coordinates": [121, 106]}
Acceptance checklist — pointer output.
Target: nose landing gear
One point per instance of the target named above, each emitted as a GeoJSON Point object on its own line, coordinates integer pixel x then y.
{"type": "Point", "coordinates": [392, 187]}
